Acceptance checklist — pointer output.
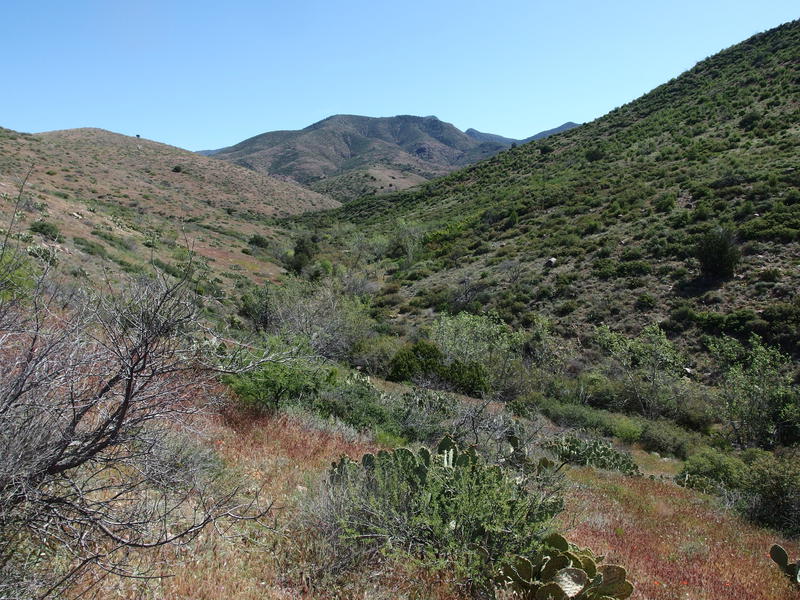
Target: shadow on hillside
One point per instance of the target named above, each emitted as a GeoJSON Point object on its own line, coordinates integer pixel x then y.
{"type": "Point", "coordinates": [697, 286]}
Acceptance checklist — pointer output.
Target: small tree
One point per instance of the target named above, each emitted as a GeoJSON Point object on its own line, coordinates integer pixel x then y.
{"type": "Point", "coordinates": [650, 365]}
{"type": "Point", "coordinates": [94, 388]}
{"type": "Point", "coordinates": [718, 253]}
{"type": "Point", "coordinates": [757, 399]}
{"type": "Point", "coordinates": [479, 340]}
{"type": "Point", "coordinates": [305, 249]}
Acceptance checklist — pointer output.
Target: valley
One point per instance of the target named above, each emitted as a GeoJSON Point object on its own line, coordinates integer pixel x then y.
{"type": "Point", "coordinates": [384, 358]}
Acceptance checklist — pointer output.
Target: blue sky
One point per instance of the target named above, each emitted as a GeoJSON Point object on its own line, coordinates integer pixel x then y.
{"type": "Point", "coordinates": [203, 75]}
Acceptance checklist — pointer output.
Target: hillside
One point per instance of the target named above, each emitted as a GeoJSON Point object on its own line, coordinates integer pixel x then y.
{"type": "Point", "coordinates": [391, 416]}
{"type": "Point", "coordinates": [347, 156]}
{"type": "Point", "coordinates": [619, 204]}
{"type": "Point", "coordinates": [547, 133]}
{"type": "Point", "coordinates": [118, 202]}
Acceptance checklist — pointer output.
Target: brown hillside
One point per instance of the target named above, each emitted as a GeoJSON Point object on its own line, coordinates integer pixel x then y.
{"type": "Point", "coordinates": [130, 201]}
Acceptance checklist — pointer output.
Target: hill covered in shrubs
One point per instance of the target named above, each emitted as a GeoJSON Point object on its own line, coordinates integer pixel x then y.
{"type": "Point", "coordinates": [682, 207]}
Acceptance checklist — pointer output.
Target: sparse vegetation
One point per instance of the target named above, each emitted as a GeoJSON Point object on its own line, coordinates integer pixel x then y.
{"type": "Point", "coordinates": [635, 278]}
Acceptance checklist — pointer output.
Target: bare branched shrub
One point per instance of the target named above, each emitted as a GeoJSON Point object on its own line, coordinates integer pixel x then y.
{"type": "Point", "coordinates": [95, 393]}
{"type": "Point", "coordinates": [322, 316]}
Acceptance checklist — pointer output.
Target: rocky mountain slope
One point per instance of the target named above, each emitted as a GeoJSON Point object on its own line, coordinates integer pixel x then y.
{"type": "Point", "coordinates": [111, 202]}
{"type": "Point", "coordinates": [346, 156]}
{"type": "Point", "coordinates": [619, 205]}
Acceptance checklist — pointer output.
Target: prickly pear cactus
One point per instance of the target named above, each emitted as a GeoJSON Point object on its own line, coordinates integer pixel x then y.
{"type": "Point", "coordinates": [414, 465]}
{"type": "Point", "coordinates": [562, 571]}
{"type": "Point", "coordinates": [781, 558]}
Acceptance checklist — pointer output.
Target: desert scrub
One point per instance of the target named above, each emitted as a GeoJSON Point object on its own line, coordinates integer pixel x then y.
{"type": "Point", "coordinates": [593, 452]}
{"type": "Point", "coordinates": [345, 397]}
{"type": "Point", "coordinates": [47, 230]}
{"type": "Point", "coordinates": [762, 486]}
{"type": "Point", "coordinates": [446, 509]}
{"type": "Point", "coordinates": [425, 363]}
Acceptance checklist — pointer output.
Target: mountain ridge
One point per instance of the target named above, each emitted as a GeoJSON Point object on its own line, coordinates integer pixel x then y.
{"type": "Point", "coordinates": [350, 155]}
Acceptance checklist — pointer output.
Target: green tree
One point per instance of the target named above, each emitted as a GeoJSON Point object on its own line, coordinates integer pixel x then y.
{"type": "Point", "coordinates": [305, 249]}
{"type": "Point", "coordinates": [479, 340]}
{"type": "Point", "coordinates": [757, 399]}
{"type": "Point", "coordinates": [649, 363]}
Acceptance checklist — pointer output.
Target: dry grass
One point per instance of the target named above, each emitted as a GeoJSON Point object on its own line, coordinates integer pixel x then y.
{"type": "Point", "coordinates": [676, 544]}
{"type": "Point", "coordinates": [286, 459]}
{"type": "Point", "coordinates": [89, 180]}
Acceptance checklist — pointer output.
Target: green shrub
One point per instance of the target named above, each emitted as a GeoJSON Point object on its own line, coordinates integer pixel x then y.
{"type": "Point", "coordinates": [759, 401]}
{"type": "Point", "coordinates": [665, 203]}
{"type": "Point", "coordinates": [259, 241]}
{"type": "Point", "coordinates": [276, 384]}
{"type": "Point", "coordinates": [486, 348]}
{"type": "Point", "coordinates": [116, 241]}
{"type": "Point", "coordinates": [469, 378]}
{"type": "Point", "coordinates": [595, 154]}
{"type": "Point", "coordinates": [666, 437]}
{"type": "Point", "coordinates": [634, 268]}
{"type": "Point", "coordinates": [91, 247]}
{"type": "Point", "coordinates": [305, 249]}
{"type": "Point", "coordinates": [423, 415]}
{"type": "Point", "coordinates": [763, 486]}
{"type": "Point", "coordinates": [656, 435]}
{"type": "Point", "coordinates": [649, 365]}
{"type": "Point", "coordinates": [718, 253]}
{"type": "Point", "coordinates": [645, 302]}
{"type": "Point", "coordinates": [627, 429]}
{"type": "Point", "coordinates": [46, 229]}
{"type": "Point", "coordinates": [710, 468]}
{"type": "Point", "coordinates": [375, 354]}
{"type": "Point", "coordinates": [424, 362]}
{"type": "Point", "coordinates": [772, 492]}
{"type": "Point", "coordinates": [420, 357]}
{"type": "Point", "coordinates": [448, 508]}
{"type": "Point", "coordinates": [356, 402]}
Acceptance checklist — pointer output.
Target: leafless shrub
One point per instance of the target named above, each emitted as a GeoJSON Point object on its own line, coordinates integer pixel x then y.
{"type": "Point", "coordinates": [321, 315]}
{"type": "Point", "coordinates": [96, 391]}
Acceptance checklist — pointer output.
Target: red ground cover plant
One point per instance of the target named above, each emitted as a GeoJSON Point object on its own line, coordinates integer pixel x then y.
{"type": "Point", "coordinates": [674, 542]}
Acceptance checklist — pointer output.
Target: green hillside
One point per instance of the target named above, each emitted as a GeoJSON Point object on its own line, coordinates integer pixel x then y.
{"type": "Point", "coordinates": [347, 156]}
{"type": "Point", "coordinates": [209, 390]}
{"type": "Point", "coordinates": [620, 205]}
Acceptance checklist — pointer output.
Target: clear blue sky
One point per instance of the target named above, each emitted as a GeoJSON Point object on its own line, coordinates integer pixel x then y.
{"type": "Point", "coordinates": [203, 75]}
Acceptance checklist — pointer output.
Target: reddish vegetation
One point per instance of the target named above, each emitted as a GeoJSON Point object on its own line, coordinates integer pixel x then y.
{"type": "Point", "coordinates": [675, 543]}
{"type": "Point", "coordinates": [255, 435]}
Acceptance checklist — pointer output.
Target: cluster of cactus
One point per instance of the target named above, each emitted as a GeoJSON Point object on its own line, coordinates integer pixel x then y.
{"type": "Point", "coordinates": [781, 558]}
{"type": "Point", "coordinates": [451, 503]}
{"type": "Point", "coordinates": [592, 452]}
{"type": "Point", "coordinates": [414, 466]}
{"type": "Point", "coordinates": [562, 571]}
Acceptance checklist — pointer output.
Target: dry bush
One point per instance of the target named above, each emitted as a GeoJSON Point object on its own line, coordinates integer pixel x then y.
{"type": "Point", "coordinates": [93, 466]}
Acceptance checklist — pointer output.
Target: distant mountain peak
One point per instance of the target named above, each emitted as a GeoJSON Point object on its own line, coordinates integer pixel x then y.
{"type": "Point", "coordinates": [365, 154]}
